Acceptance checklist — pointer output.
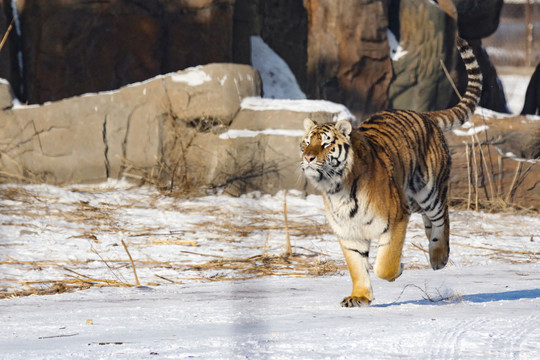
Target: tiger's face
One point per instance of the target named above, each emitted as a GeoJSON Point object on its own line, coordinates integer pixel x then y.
{"type": "Point", "coordinates": [325, 150]}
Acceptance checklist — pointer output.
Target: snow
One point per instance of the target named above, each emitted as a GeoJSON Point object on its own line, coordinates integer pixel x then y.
{"type": "Point", "coordinates": [515, 87]}
{"type": "Point", "coordinates": [484, 304]}
{"type": "Point", "coordinates": [396, 51]}
{"type": "Point", "coordinates": [262, 104]}
{"type": "Point", "coordinates": [234, 133]}
{"type": "Point", "coordinates": [278, 80]}
{"type": "Point", "coordinates": [193, 76]}
{"type": "Point", "coordinates": [471, 131]}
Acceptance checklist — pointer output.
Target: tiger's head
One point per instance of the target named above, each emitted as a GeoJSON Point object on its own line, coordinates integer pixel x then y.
{"type": "Point", "coordinates": [325, 153]}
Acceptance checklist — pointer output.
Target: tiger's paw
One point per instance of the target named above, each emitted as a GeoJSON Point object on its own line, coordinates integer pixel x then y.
{"type": "Point", "coordinates": [438, 258]}
{"type": "Point", "coordinates": [355, 301]}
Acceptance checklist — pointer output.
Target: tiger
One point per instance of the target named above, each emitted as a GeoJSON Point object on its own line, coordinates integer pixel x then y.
{"type": "Point", "coordinates": [373, 177]}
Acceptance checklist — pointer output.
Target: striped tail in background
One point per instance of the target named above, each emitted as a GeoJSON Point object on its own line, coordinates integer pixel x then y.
{"type": "Point", "coordinates": [456, 116]}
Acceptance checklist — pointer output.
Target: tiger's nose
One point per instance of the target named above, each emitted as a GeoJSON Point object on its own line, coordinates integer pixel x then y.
{"type": "Point", "coordinates": [309, 158]}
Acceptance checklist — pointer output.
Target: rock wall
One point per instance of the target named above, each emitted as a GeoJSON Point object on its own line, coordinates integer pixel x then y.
{"type": "Point", "coordinates": [338, 50]}
{"type": "Point", "coordinates": [201, 127]}
{"type": "Point", "coordinates": [73, 47]}
{"type": "Point", "coordinates": [348, 54]}
{"type": "Point", "coordinates": [96, 136]}
{"type": "Point", "coordinates": [419, 80]}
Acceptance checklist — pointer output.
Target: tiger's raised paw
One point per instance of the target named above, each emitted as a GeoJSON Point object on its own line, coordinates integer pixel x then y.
{"type": "Point", "coordinates": [355, 301]}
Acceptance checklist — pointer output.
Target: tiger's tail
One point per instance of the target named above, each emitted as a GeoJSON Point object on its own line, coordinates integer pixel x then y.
{"type": "Point", "coordinates": [456, 116]}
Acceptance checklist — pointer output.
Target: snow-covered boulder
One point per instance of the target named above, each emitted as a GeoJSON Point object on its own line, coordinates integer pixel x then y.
{"type": "Point", "coordinates": [119, 133]}
{"type": "Point", "coordinates": [258, 152]}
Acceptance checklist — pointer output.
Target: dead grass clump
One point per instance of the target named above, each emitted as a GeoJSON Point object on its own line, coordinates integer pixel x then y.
{"type": "Point", "coordinates": [486, 188]}
{"type": "Point", "coordinates": [51, 288]}
{"type": "Point", "coordinates": [434, 295]}
{"type": "Point", "coordinates": [296, 265]}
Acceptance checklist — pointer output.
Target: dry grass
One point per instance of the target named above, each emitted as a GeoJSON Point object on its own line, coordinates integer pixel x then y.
{"type": "Point", "coordinates": [224, 269]}
{"type": "Point", "coordinates": [486, 191]}
{"type": "Point", "coordinates": [103, 218]}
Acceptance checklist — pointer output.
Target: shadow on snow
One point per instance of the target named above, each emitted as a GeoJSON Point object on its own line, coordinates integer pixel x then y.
{"type": "Point", "coordinates": [473, 298]}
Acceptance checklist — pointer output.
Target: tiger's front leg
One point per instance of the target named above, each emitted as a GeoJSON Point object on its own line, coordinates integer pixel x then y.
{"type": "Point", "coordinates": [356, 255]}
{"type": "Point", "coordinates": [388, 264]}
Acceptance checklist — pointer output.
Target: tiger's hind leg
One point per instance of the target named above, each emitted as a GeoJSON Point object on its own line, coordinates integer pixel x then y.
{"type": "Point", "coordinates": [432, 200]}
{"type": "Point", "coordinates": [439, 241]}
{"type": "Point", "coordinates": [356, 255]}
{"type": "Point", "coordinates": [427, 225]}
{"type": "Point", "coordinates": [437, 227]}
{"type": "Point", "coordinates": [388, 264]}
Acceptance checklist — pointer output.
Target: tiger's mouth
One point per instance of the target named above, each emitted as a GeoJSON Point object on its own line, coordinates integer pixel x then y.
{"type": "Point", "coordinates": [314, 170]}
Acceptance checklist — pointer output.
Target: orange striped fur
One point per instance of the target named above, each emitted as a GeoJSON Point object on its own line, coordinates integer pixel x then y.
{"type": "Point", "coordinates": [372, 178]}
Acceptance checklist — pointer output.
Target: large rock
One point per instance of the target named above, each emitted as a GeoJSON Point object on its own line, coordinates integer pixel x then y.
{"type": "Point", "coordinates": [258, 152]}
{"type": "Point", "coordinates": [532, 96]}
{"type": "Point", "coordinates": [495, 159]}
{"type": "Point", "coordinates": [73, 47]}
{"type": "Point", "coordinates": [493, 97]}
{"type": "Point", "coordinates": [6, 95]}
{"type": "Point", "coordinates": [419, 81]}
{"type": "Point", "coordinates": [121, 133]}
{"type": "Point", "coordinates": [478, 19]}
{"type": "Point", "coordinates": [5, 52]}
{"type": "Point", "coordinates": [348, 56]}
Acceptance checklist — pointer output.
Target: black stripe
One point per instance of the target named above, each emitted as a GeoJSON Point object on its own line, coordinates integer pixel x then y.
{"type": "Point", "coordinates": [354, 210]}
{"type": "Point", "coordinates": [427, 197]}
{"type": "Point", "coordinates": [469, 60]}
{"type": "Point", "coordinates": [362, 253]}
{"type": "Point", "coordinates": [474, 71]}
{"type": "Point", "coordinates": [437, 219]}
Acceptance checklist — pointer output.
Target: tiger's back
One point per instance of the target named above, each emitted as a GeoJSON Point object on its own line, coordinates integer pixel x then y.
{"type": "Point", "coordinates": [373, 177]}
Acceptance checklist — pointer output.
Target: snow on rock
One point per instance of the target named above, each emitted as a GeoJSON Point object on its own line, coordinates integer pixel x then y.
{"type": "Point", "coordinates": [471, 130]}
{"type": "Point", "coordinates": [235, 133]}
{"type": "Point", "coordinates": [193, 76]}
{"type": "Point", "coordinates": [262, 104]}
{"type": "Point", "coordinates": [396, 51]}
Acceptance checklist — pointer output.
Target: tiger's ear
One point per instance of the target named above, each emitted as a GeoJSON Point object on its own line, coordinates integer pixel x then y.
{"type": "Point", "coordinates": [308, 123]}
{"type": "Point", "coordinates": [344, 127]}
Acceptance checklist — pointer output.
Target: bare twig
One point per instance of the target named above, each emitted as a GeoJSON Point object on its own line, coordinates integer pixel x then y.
{"type": "Point", "coordinates": [483, 158]}
{"type": "Point", "coordinates": [132, 264]}
{"type": "Point", "coordinates": [475, 167]}
{"type": "Point", "coordinates": [512, 186]}
{"type": "Point", "coordinates": [6, 34]}
{"type": "Point", "coordinates": [288, 248]}
{"type": "Point", "coordinates": [469, 175]}
{"type": "Point", "coordinates": [265, 243]}
{"type": "Point", "coordinates": [450, 79]}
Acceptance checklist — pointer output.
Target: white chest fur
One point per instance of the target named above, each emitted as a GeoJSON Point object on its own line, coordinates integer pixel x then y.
{"type": "Point", "coordinates": [352, 218]}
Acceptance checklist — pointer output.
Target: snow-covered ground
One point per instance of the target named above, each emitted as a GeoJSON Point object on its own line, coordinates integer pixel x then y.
{"type": "Point", "coordinates": [188, 252]}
